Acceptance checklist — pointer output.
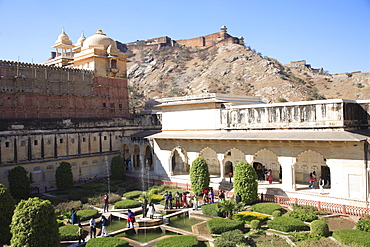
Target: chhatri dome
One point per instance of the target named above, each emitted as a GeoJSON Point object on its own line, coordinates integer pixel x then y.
{"type": "Point", "coordinates": [81, 39]}
{"type": "Point", "coordinates": [63, 39]}
{"type": "Point", "coordinates": [99, 39]}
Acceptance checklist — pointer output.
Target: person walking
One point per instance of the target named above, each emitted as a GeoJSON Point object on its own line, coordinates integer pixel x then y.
{"type": "Point", "coordinates": [166, 200]}
{"type": "Point", "coordinates": [170, 199]}
{"type": "Point", "coordinates": [80, 233]}
{"type": "Point", "coordinates": [104, 223]}
{"type": "Point", "coordinates": [311, 181]}
{"type": "Point", "coordinates": [321, 185]}
{"type": "Point", "coordinates": [92, 228]}
{"type": "Point", "coordinates": [269, 176]}
{"type": "Point", "coordinates": [196, 201]}
{"type": "Point", "coordinates": [221, 196]}
{"type": "Point", "coordinates": [184, 202]}
{"type": "Point", "coordinates": [151, 210]}
{"type": "Point", "coordinates": [130, 219]}
{"type": "Point", "coordinates": [211, 196]}
{"type": "Point", "coordinates": [238, 198]}
{"type": "Point", "coordinates": [74, 216]}
{"type": "Point", "coordinates": [106, 202]}
{"type": "Point", "coordinates": [177, 200]}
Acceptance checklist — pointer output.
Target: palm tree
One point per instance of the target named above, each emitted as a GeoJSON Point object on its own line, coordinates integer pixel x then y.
{"type": "Point", "coordinates": [230, 207]}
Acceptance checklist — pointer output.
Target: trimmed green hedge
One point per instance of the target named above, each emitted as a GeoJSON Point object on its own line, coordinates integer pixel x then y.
{"type": "Point", "coordinates": [80, 194]}
{"type": "Point", "coordinates": [287, 224]}
{"type": "Point", "coordinates": [107, 242]}
{"type": "Point", "coordinates": [178, 241]}
{"type": "Point", "coordinates": [211, 209]}
{"type": "Point", "coordinates": [68, 232]}
{"type": "Point", "coordinates": [86, 214]}
{"type": "Point", "coordinates": [127, 204]}
{"type": "Point", "coordinates": [132, 194]}
{"type": "Point", "coordinates": [266, 207]}
{"type": "Point", "coordinates": [302, 214]}
{"type": "Point", "coordinates": [90, 186]}
{"type": "Point", "coordinates": [320, 228]}
{"type": "Point", "coordinates": [221, 225]}
{"type": "Point", "coordinates": [230, 238]}
{"type": "Point", "coordinates": [352, 236]}
{"type": "Point", "coordinates": [247, 216]}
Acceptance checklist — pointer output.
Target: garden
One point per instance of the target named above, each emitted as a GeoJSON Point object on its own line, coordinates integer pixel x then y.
{"type": "Point", "coordinates": [247, 223]}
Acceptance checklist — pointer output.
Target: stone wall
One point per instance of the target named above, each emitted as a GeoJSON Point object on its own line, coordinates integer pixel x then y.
{"type": "Point", "coordinates": [326, 114]}
{"type": "Point", "coordinates": [38, 91]}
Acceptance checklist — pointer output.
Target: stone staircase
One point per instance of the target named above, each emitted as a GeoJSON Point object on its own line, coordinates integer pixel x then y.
{"type": "Point", "coordinates": [226, 186]}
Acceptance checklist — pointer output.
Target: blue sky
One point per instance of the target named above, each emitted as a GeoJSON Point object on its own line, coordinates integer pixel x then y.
{"type": "Point", "coordinates": [333, 34]}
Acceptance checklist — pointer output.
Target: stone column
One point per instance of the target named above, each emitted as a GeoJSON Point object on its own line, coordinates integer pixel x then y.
{"type": "Point", "coordinates": [220, 158]}
{"type": "Point", "coordinates": [288, 177]}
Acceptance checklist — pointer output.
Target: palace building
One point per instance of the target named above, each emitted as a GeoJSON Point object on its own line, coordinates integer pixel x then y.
{"type": "Point", "coordinates": [75, 107]}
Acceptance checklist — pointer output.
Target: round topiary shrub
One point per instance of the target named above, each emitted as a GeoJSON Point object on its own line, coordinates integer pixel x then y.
{"type": "Point", "coordinates": [34, 223]}
{"type": "Point", "coordinates": [363, 224]}
{"type": "Point", "coordinates": [245, 182]}
{"type": "Point", "coordinates": [64, 176]}
{"type": "Point", "coordinates": [255, 224]}
{"type": "Point", "coordinates": [132, 194]}
{"type": "Point", "coordinates": [221, 225]}
{"type": "Point", "coordinates": [6, 213]}
{"type": "Point", "coordinates": [287, 224]}
{"type": "Point", "coordinates": [68, 232]}
{"type": "Point", "coordinates": [87, 214]}
{"type": "Point", "coordinates": [266, 207]}
{"type": "Point", "coordinates": [127, 204]}
{"type": "Point", "coordinates": [199, 175]}
{"type": "Point", "coordinates": [320, 228]}
{"type": "Point", "coordinates": [276, 213]}
{"type": "Point", "coordinates": [178, 241]}
{"type": "Point", "coordinates": [107, 242]}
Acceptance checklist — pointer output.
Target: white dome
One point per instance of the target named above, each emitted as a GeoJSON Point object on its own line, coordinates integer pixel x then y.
{"type": "Point", "coordinates": [98, 39]}
{"type": "Point", "coordinates": [63, 38]}
{"type": "Point", "coordinates": [81, 40]}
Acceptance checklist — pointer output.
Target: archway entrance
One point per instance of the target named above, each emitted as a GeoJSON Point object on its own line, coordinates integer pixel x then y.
{"type": "Point", "coordinates": [179, 162]}
{"type": "Point", "coordinates": [136, 156]}
{"type": "Point", "coordinates": [148, 158]}
{"type": "Point", "coordinates": [232, 156]}
{"type": "Point", "coordinates": [263, 161]}
{"type": "Point", "coordinates": [308, 162]}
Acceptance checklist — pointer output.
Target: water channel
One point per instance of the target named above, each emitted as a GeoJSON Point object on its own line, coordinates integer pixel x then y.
{"type": "Point", "coordinates": [143, 235]}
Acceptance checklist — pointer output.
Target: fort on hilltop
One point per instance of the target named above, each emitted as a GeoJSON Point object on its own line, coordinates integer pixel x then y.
{"type": "Point", "coordinates": [221, 37]}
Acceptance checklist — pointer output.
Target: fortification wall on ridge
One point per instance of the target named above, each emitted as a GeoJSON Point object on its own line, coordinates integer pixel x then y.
{"type": "Point", "coordinates": [39, 91]}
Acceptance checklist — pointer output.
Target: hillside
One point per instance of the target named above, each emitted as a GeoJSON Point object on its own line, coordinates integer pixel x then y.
{"type": "Point", "coordinates": [233, 69]}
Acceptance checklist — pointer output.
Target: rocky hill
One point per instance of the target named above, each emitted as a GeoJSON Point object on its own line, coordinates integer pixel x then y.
{"type": "Point", "coordinates": [234, 69]}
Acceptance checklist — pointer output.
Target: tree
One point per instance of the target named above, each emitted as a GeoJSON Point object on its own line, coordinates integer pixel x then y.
{"type": "Point", "coordinates": [245, 182]}
{"type": "Point", "coordinates": [64, 176]}
{"type": "Point", "coordinates": [6, 213]}
{"type": "Point", "coordinates": [230, 207]}
{"type": "Point", "coordinates": [34, 223]}
{"type": "Point", "coordinates": [117, 168]}
{"type": "Point", "coordinates": [199, 175]}
{"type": "Point", "coordinates": [19, 183]}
